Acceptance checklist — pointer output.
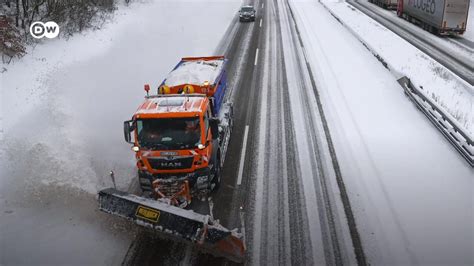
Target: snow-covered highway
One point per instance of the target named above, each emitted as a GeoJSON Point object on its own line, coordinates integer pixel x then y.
{"type": "Point", "coordinates": [409, 187]}
{"type": "Point", "coordinates": [329, 162]}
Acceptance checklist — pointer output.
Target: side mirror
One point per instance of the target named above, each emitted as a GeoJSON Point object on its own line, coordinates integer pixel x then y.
{"type": "Point", "coordinates": [214, 124]}
{"type": "Point", "coordinates": [127, 129]}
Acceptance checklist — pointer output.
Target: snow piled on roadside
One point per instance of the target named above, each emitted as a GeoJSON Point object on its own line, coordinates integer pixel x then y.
{"type": "Point", "coordinates": [64, 103]}
{"type": "Point", "coordinates": [451, 93]}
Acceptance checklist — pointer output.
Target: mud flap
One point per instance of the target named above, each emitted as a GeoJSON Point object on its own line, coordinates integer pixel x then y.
{"type": "Point", "coordinates": [175, 223]}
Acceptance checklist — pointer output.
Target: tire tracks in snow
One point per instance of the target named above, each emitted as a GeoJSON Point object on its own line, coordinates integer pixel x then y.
{"type": "Point", "coordinates": [324, 186]}
{"type": "Point", "coordinates": [295, 217]}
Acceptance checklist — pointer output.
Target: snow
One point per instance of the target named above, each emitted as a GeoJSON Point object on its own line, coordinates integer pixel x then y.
{"type": "Point", "coordinates": [63, 107]}
{"type": "Point", "coordinates": [88, 93]}
{"type": "Point", "coordinates": [171, 104]}
{"type": "Point", "coordinates": [410, 190]}
{"type": "Point", "coordinates": [448, 91]}
{"type": "Point", "coordinates": [304, 146]}
{"type": "Point", "coordinates": [195, 72]}
{"type": "Point", "coordinates": [448, 43]}
{"type": "Point", "coordinates": [469, 34]}
{"type": "Point", "coordinates": [260, 171]}
{"type": "Point", "coordinates": [288, 178]}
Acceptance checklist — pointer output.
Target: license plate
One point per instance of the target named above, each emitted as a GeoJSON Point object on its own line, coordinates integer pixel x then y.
{"type": "Point", "coordinates": [148, 214]}
{"type": "Point", "coordinates": [168, 153]}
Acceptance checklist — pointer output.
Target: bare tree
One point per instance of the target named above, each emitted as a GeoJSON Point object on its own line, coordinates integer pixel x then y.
{"type": "Point", "coordinates": [72, 16]}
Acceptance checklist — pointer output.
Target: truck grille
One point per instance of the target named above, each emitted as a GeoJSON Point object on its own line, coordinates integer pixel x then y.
{"type": "Point", "coordinates": [163, 163]}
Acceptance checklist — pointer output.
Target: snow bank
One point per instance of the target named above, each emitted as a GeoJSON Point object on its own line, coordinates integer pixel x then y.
{"type": "Point", "coordinates": [451, 93]}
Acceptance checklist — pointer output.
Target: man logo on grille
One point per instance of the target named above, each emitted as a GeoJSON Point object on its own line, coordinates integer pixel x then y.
{"type": "Point", "coordinates": [171, 164]}
{"type": "Point", "coordinates": [49, 29]}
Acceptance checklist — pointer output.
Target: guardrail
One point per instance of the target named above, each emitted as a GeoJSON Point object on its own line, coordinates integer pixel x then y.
{"type": "Point", "coordinates": [460, 140]}
{"type": "Point", "coordinates": [448, 127]}
{"type": "Point", "coordinates": [459, 65]}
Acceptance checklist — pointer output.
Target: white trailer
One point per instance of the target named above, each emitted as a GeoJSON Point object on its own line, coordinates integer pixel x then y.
{"type": "Point", "coordinates": [437, 16]}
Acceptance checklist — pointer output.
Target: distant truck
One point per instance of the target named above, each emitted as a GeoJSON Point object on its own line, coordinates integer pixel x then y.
{"type": "Point", "coordinates": [437, 16]}
{"type": "Point", "coordinates": [387, 4]}
{"type": "Point", "coordinates": [180, 137]}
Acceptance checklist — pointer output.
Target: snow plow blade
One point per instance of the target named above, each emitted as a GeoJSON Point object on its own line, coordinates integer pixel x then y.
{"type": "Point", "coordinates": [175, 223]}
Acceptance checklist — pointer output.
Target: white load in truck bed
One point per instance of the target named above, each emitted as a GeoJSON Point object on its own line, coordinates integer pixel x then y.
{"type": "Point", "coordinates": [195, 72]}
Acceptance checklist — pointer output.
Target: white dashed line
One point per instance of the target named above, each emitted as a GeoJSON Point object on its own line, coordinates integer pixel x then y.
{"type": "Point", "coordinates": [242, 156]}
{"type": "Point", "coordinates": [256, 58]}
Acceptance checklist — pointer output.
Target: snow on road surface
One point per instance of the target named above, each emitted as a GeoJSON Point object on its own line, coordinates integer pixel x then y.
{"type": "Point", "coordinates": [63, 106]}
{"type": "Point", "coordinates": [412, 192]}
{"type": "Point", "coordinates": [296, 214]}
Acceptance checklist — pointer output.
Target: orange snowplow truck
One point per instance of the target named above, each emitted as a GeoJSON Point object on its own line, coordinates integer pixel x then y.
{"type": "Point", "coordinates": [180, 137]}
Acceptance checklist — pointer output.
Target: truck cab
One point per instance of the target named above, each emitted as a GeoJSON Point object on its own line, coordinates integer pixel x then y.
{"type": "Point", "coordinates": [178, 135]}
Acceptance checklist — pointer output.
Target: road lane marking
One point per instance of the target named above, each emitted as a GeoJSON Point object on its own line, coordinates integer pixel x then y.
{"type": "Point", "coordinates": [256, 58]}
{"type": "Point", "coordinates": [242, 157]}
{"type": "Point", "coordinates": [260, 23]}
{"type": "Point", "coordinates": [263, 4]}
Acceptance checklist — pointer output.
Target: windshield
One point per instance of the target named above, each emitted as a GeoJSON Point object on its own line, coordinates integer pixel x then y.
{"type": "Point", "coordinates": [247, 9]}
{"type": "Point", "coordinates": [169, 133]}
